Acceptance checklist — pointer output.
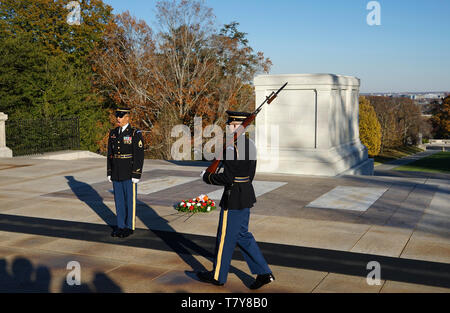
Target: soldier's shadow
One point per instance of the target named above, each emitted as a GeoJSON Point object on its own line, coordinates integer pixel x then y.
{"type": "Point", "coordinates": [179, 243]}
{"type": "Point", "coordinates": [157, 225]}
{"type": "Point", "coordinates": [92, 198]}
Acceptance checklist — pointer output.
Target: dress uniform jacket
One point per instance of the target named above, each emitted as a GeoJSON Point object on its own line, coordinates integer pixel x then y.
{"type": "Point", "coordinates": [237, 177]}
{"type": "Point", "coordinates": [125, 154]}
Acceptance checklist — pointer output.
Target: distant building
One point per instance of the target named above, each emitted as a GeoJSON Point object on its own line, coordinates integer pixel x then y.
{"type": "Point", "coordinates": [416, 96]}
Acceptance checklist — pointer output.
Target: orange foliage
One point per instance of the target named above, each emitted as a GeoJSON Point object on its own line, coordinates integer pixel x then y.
{"type": "Point", "coordinates": [187, 69]}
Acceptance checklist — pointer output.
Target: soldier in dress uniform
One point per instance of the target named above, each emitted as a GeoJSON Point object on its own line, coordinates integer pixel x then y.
{"type": "Point", "coordinates": [237, 199]}
{"type": "Point", "coordinates": [124, 169]}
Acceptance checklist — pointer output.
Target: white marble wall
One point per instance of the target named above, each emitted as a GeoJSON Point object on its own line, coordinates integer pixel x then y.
{"type": "Point", "coordinates": [312, 127]}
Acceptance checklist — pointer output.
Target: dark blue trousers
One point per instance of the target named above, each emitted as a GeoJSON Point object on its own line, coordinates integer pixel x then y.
{"type": "Point", "coordinates": [232, 231]}
{"type": "Point", "coordinates": [125, 193]}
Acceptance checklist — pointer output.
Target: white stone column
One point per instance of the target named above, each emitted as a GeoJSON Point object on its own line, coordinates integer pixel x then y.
{"type": "Point", "coordinates": [312, 128]}
{"type": "Point", "coordinates": [5, 152]}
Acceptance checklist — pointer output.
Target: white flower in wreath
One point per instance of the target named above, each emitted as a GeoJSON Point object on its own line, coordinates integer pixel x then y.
{"type": "Point", "coordinates": [208, 209]}
{"type": "Point", "coordinates": [198, 204]}
{"type": "Point", "coordinates": [188, 204]}
{"type": "Point", "coordinates": [182, 203]}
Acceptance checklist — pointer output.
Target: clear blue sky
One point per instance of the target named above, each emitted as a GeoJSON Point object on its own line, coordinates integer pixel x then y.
{"type": "Point", "coordinates": [409, 51]}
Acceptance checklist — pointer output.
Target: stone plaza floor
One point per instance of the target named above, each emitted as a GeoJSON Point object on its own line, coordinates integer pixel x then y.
{"type": "Point", "coordinates": [318, 234]}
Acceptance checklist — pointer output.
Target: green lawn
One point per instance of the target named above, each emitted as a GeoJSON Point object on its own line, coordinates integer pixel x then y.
{"type": "Point", "coordinates": [395, 153]}
{"type": "Point", "coordinates": [436, 163]}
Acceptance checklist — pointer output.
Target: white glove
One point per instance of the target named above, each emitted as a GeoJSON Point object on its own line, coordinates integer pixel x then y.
{"type": "Point", "coordinates": [203, 173]}
{"type": "Point", "coordinates": [109, 179]}
{"type": "Point", "coordinates": [135, 180]}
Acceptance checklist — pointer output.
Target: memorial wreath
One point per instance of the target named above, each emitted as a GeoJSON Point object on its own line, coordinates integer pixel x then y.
{"type": "Point", "coordinates": [201, 204]}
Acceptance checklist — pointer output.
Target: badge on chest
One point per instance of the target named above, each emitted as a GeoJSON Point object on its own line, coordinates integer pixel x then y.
{"type": "Point", "coordinates": [127, 140]}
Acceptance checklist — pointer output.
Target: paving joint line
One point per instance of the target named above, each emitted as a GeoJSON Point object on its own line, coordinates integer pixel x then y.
{"type": "Point", "coordinates": [415, 228]}
{"type": "Point", "coordinates": [384, 284]}
{"type": "Point", "coordinates": [113, 269]}
{"type": "Point", "coordinates": [160, 275]}
{"type": "Point", "coordinates": [370, 227]}
{"type": "Point", "coordinates": [398, 206]}
{"type": "Point", "coordinates": [328, 273]}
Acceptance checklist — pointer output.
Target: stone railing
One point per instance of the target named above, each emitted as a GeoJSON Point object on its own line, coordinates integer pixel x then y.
{"type": "Point", "coordinates": [5, 152]}
{"type": "Point", "coordinates": [439, 141]}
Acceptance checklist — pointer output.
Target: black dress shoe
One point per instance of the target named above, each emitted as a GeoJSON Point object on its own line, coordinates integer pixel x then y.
{"type": "Point", "coordinates": [126, 232]}
{"type": "Point", "coordinates": [262, 280]}
{"type": "Point", "coordinates": [208, 277]}
{"type": "Point", "coordinates": [116, 232]}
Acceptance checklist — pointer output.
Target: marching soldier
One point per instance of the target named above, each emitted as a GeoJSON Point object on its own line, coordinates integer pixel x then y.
{"type": "Point", "coordinates": [124, 169]}
{"type": "Point", "coordinates": [237, 199]}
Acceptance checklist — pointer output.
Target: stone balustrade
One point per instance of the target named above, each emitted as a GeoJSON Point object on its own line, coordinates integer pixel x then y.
{"type": "Point", "coordinates": [5, 152]}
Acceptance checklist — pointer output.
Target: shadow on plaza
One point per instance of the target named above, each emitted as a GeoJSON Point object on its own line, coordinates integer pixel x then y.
{"type": "Point", "coordinates": [156, 224]}
{"type": "Point", "coordinates": [23, 277]}
{"type": "Point", "coordinates": [91, 197]}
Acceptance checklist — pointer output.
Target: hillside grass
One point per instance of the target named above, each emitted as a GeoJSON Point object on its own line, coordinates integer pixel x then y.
{"type": "Point", "coordinates": [395, 153]}
{"type": "Point", "coordinates": [436, 163]}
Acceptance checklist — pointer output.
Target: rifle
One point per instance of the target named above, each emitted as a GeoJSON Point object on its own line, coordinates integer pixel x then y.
{"type": "Point", "coordinates": [241, 129]}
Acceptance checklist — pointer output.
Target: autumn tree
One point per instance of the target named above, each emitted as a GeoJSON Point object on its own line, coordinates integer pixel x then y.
{"type": "Point", "coordinates": [123, 63]}
{"type": "Point", "coordinates": [441, 118]}
{"type": "Point", "coordinates": [409, 117]}
{"type": "Point", "coordinates": [386, 116]}
{"type": "Point", "coordinates": [400, 119]}
{"type": "Point", "coordinates": [186, 55]}
{"type": "Point", "coordinates": [184, 68]}
{"type": "Point", "coordinates": [369, 127]}
{"type": "Point", "coordinates": [238, 65]}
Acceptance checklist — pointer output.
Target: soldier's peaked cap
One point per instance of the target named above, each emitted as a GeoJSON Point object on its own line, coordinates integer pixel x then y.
{"type": "Point", "coordinates": [123, 109]}
{"type": "Point", "coordinates": [235, 116]}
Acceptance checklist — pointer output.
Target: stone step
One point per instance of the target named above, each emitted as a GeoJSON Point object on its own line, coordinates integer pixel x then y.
{"type": "Point", "coordinates": [64, 155]}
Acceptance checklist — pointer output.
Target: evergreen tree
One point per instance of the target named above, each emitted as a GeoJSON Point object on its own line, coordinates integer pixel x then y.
{"type": "Point", "coordinates": [45, 69]}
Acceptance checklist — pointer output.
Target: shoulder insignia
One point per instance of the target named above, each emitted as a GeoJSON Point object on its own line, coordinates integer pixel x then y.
{"type": "Point", "coordinates": [140, 144]}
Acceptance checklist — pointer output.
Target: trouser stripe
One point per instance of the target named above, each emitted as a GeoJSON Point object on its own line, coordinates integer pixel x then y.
{"type": "Point", "coordinates": [222, 241]}
{"type": "Point", "coordinates": [134, 206]}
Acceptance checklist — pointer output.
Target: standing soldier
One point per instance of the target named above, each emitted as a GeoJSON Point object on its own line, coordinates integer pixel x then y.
{"type": "Point", "coordinates": [237, 199]}
{"type": "Point", "coordinates": [124, 169]}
